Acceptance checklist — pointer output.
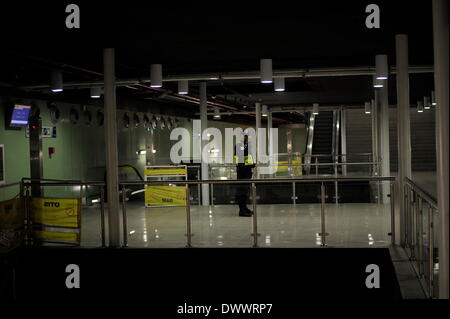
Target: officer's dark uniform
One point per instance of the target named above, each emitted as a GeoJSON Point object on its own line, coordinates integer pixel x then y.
{"type": "Point", "coordinates": [244, 171]}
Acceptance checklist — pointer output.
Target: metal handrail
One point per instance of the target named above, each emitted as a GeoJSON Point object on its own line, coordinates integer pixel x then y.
{"type": "Point", "coordinates": [9, 185]}
{"type": "Point", "coordinates": [414, 211]}
{"type": "Point", "coordinates": [253, 183]}
{"type": "Point", "coordinates": [423, 193]}
{"type": "Point", "coordinates": [214, 181]}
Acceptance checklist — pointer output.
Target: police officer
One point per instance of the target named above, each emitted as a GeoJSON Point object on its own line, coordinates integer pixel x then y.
{"type": "Point", "coordinates": [244, 161]}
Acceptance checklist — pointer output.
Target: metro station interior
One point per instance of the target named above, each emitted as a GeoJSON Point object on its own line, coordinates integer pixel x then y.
{"type": "Point", "coordinates": [88, 122]}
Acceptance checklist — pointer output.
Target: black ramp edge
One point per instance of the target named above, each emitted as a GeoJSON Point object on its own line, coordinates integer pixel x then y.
{"type": "Point", "coordinates": [203, 274]}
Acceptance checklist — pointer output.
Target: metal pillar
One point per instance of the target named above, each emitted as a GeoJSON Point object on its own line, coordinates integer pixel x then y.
{"type": "Point", "coordinates": [36, 168]}
{"type": "Point", "coordinates": [343, 129]}
{"type": "Point", "coordinates": [204, 125]}
{"type": "Point", "coordinates": [112, 174]}
{"type": "Point", "coordinates": [257, 127]}
{"type": "Point", "coordinates": [441, 65]}
{"type": "Point", "coordinates": [403, 124]}
{"type": "Point", "coordinates": [383, 126]}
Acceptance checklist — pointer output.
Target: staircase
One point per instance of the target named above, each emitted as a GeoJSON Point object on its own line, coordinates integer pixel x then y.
{"type": "Point", "coordinates": [323, 141]}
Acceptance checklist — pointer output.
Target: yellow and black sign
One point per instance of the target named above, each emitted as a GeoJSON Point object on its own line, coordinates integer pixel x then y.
{"type": "Point", "coordinates": [165, 171]}
{"type": "Point", "coordinates": [12, 215]}
{"type": "Point", "coordinates": [58, 212]}
{"type": "Point", "coordinates": [165, 196]}
{"type": "Point", "coordinates": [56, 236]}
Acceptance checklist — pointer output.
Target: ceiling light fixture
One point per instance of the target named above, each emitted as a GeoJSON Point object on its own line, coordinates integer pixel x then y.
{"type": "Point", "coordinates": [367, 108]}
{"type": "Point", "coordinates": [57, 81]}
{"type": "Point", "coordinates": [266, 71]}
{"type": "Point", "coordinates": [433, 98]}
{"type": "Point", "coordinates": [217, 113]}
{"type": "Point", "coordinates": [419, 106]}
{"type": "Point", "coordinates": [381, 67]}
{"type": "Point", "coordinates": [315, 109]}
{"type": "Point", "coordinates": [183, 87]}
{"type": "Point", "coordinates": [96, 92]}
{"type": "Point", "coordinates": [377, 83]}
{"type": "Point", "coordinates": [279, 84]}
{"type": "Point", "coordinates": [156, 75]}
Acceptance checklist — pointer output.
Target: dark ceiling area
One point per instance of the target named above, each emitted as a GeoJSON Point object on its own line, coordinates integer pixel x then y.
{"type": "Point", "coordinates": [205, 37]}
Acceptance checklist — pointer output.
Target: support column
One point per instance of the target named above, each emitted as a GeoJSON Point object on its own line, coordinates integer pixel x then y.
{"type": "Point", "coordinates": [203, 126]}
{"type": "Point", "coordinates": [343, 129]}
{"type": "Point", "coordinates": [403, 124]}
{"type": "Point", "coordinates": [112, 174]}
{"type": "Point", "coordinates": [374, 115]}
{"type": "Point", "coordinates": [36, 163]}
{"type": "Point", "coordinates": [257, 126]}
{"type": "Point", "coordinates": [384, 155]}
{"type": "Point", "coordinates": [441, 65]}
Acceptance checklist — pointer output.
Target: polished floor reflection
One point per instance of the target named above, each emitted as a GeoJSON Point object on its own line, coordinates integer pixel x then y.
{"type": "Point", "coordinates": [347, 225]}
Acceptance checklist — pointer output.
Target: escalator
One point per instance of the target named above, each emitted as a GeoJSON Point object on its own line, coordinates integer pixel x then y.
{"type": "Point", "coordinates": [323, 141]}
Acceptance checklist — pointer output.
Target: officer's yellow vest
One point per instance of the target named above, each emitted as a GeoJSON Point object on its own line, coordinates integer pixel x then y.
{"type": "Point", "coordinates": [248, 160]}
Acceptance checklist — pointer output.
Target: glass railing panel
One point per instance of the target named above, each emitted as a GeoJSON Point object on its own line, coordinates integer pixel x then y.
{"type": "Point", "coordinates": [359, 219]}
{"type": "Point", "coordinates": [219, 224]}
{"type": "Point", "coordinates": [284, 224]}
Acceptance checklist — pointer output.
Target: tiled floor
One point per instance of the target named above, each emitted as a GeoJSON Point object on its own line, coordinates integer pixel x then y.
{"type": "Point", "coordinates": [348, 225]}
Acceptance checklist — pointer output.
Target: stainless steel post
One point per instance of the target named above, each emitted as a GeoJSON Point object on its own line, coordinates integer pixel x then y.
{"type": "Point", "coordinates": [255, 220]}
{"type": "Point", "coordinates": [294, 197]}
{"type": "Point", "coordinates": [102, 215]}
{"type": "Point", "coordinates": [441, 84]}
{"type": "Point", "coordinates": [112, 175]}
{"type": "Point", "coordinates": [403, 117]}
{"type": "Point", "coordinates": [336, 193]}
{"type": "Point", "coordinates": [392, 197]}
{"type": "Point", "coordinates": [431, 254]}
{"type": "Point", "coordinates": [323, 233]}
{"type": "Point", "coordinates": [29, 227]}
{"type": "Point", "coordinates": [412, 219]}
{"type": "Point", "coordinates": [420, 235]}
{"type": "Point", "coordinates": [199, 186]}
{"type": "Point", "coordinates": [124, 216]}
{"type": "Point", "coordinates": [188, 219]}
{"type": "Point", "coordinates": [317, 166]}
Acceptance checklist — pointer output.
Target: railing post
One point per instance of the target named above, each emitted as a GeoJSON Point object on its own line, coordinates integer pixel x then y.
{"type": "Point", "coordinates": [392, 197]}
{"type": "Point", "coordinates": [188, 218]}
{"type": "Point", "coordinates": [102, 214]}
{"type": "Point", "coordinates": [294, 196]}
{"type": "Point", "coordinates": [29, 230]}
{"type": "Point", "coordinates": [323, 233]}
{"type": "Point", "coordinates": [412, 217]}
{"type": "Point", "coordinates": [317, 166]}
{"type": "Point", "coordinates": [420, 235]}
{"type": "Point", "coordinates": [255, 220]}
{"type": "Point", "coordinates": [124, 216]}
{"type": "Point", "coordinates": [431, 254]}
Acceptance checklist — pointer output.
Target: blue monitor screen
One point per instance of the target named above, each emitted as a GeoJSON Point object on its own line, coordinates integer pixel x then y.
{"type": "Point", "coordinates": [20, 115]}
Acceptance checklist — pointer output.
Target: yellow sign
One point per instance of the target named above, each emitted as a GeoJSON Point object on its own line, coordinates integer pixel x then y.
{"type": "Point", "coordinates": [59, 212]}
{"type": "Point", "coordinates": [165, 196]}
{"type": "Point", "coordinates": [297, 169]}
{"type": "Point", "coordinates": [11, 223]}
{"type": "Point", "coordinates": [52, 236]}
{"type": "Point", "coordinates": [165, 171]}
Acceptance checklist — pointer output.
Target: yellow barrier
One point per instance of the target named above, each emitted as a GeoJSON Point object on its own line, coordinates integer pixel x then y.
{"type": "Point", "coordinates": [59, 212]}
{"type": "Point", "coordinates": [165, 196]}
{"type": "Point", "coordinates": [53, 236]}
{"type": "Point", "coordinates": [297, 169]}
{"type": "Point", "coordinates": [165, 171]}
{"type": "Point", "coordinates": [12, 215]}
